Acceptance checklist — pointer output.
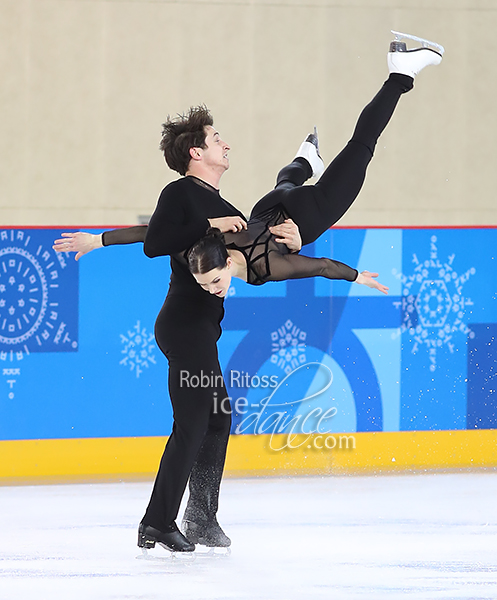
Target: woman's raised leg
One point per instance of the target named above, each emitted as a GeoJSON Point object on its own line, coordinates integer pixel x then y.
{"type": "Point", "coordinates": [315, 208]}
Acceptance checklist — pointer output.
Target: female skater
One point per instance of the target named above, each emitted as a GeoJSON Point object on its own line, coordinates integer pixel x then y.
{"type": "Point", "coordinates": [188, 325]}
{"type": "Point", "coordinates": [255, 255]}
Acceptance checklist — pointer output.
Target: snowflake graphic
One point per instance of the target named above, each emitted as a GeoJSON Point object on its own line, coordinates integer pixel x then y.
{"type": "Point", "coordinates": [433, 305]}
{"type": "Point", "coordinates": [138, 350]}
{"type": "Point", "coordinates": [288, 347]}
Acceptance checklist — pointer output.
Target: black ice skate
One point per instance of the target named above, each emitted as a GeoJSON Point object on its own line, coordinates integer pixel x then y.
{"type": "Point", "coordinates": [205, 533]}
{"type": "Point", "coordinates": [309, 149]}
{"type": "Point", "coordinates": [411, 62]}
{"type": "Point", "coordinates": [172, 539]}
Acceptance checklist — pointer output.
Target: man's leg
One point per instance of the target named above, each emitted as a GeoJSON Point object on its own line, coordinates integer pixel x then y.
{"type": "Point", "coordinates": [191, 408]}
{"type": "Point", "coordinates": [188, 338]}
{"type": "Point", "coordinates": [199, 521]}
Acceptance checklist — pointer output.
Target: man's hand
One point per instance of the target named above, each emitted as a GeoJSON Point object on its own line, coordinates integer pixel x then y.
{"type": "Point", "coordinates": [367, 278]}
{"type": "Point", "coordinates": [226, 224]}
{"type": "Point", "coordinates": [288, 233]}
{"type": "Point", "coordinates": [80, 242]}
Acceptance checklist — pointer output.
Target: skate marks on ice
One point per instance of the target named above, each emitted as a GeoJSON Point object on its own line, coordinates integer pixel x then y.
{"type": "Point", "coordinates": [428, 537]}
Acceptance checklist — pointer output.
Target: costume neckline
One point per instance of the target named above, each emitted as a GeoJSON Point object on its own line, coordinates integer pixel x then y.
{"type": "Point", "coordinates": [203, 183]}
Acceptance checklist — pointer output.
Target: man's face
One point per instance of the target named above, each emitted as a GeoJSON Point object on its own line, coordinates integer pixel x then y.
{"type": "Point", "coordinates": [215, 154]}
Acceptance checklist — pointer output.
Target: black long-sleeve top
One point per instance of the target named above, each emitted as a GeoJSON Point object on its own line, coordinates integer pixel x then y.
{"type": "Point", "coordinates": [180, 220]}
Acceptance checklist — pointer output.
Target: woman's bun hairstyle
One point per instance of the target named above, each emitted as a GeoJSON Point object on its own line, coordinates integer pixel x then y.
{"type": "Point", "coordinates": [215, 233]}
{"type": "Point", "coordinates": [208, 253]}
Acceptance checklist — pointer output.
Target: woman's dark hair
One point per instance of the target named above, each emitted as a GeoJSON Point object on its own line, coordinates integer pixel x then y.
{"type": "Point", "coordinates": [183, 132]}
{"type": "Point", "coordinates": [208, 253]}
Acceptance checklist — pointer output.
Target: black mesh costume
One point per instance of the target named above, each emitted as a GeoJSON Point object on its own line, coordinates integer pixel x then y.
{"type": "Point", "coordinates": [268, 260]}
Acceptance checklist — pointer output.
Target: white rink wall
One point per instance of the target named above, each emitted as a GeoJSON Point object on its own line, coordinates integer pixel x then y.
{"type": "Point", "coordinates": [86, 86]}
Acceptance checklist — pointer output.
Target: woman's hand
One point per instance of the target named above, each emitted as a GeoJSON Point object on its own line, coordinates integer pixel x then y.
{"type": "Point", "coordinates": [80, 242]}
{"type": "Point", "coordinates": [225, 224]}
{"type": "Point", "coordinates": [367, 278]}
{"type": "Point", "coordinates": [288, 233]}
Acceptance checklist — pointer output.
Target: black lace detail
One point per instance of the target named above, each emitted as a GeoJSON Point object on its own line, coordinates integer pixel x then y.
{"type": "Point", "coordinates": [257, 243]}
{"type": "Point", "coordinates": [267, 260]}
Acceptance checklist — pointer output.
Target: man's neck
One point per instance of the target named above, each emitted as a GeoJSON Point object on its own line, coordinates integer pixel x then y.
{"type": "Point", "coordinates": [213, 178]}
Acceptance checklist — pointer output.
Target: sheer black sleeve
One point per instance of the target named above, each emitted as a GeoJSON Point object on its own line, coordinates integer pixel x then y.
{"type": "Point", "coordinates": [125, 235]}
{"type": "Point", "coordinates": [295, 266]}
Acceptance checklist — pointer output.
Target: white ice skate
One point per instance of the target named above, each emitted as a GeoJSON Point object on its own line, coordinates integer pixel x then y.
{"type": "Point", "coordinates": [411, 62]}
{"type": "Point", "coordinates": [309, 149]}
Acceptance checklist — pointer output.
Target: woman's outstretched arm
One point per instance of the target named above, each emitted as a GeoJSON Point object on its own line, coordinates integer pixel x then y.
{"type": "Point", "coordinates": [294, 266]}
{"type": "Point", "coordinates": [83, 242]}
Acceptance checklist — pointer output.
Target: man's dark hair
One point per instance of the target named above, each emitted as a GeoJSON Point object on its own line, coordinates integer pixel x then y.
{"type": "Point", "coordinates": [183, 132]}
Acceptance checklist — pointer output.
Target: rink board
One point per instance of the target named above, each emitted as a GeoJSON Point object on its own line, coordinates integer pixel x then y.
{"type": "Point", "coordinates": [107, 459]}
{"type": "Point", "coordinates": [411, 375]}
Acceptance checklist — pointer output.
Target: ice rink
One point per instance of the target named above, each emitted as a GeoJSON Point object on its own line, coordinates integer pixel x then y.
{"type": "Point", "coordinates": [405, 536]}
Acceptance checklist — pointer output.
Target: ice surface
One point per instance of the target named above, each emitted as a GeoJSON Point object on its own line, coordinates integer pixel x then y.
{"type": "Point", "coordinates": [415, 536]}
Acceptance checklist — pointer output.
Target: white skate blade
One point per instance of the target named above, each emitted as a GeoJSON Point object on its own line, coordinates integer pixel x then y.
{"type": "Point", "coordinates": [425, 43]}
{"type": "Point", "coordinates": [213, 552]}
{"type": "Point", "coordinates": [179, 556]}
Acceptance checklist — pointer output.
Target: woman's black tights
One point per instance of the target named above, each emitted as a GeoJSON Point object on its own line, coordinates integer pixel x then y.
{"type": "Point", "coordinates": [315, 208]}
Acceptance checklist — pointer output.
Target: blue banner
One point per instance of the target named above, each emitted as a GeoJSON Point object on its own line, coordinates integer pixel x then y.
{"type": "Point", "coordinates": [78, 356]}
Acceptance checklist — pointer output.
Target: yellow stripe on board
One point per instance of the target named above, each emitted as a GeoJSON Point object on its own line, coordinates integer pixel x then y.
{"type": "Point", "coordinates": [90, 459]}
{"type": "Point", "coordinates": [362, 452]}
{"type": "Point", "coordinates": [81, 459]}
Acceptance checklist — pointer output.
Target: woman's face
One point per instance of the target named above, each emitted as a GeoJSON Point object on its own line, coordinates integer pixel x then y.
{"type": "Point", "coordinates": [217, 281]}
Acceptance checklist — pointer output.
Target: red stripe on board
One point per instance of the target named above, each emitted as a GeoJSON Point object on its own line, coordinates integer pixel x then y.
{"type": "Point", "coordinates": [80, 227]}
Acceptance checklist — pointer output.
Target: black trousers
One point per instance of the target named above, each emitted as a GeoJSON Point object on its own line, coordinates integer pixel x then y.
{"type": "Point", "coordinates": [315, 208]}
{"type": "Point", "coordinates": [187, 333]}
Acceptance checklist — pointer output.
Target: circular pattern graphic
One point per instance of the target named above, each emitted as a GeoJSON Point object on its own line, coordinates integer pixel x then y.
{"type": "Point", "coordinates": [38, 295]}
{"type": "Point", "coordinates": [23, 295]}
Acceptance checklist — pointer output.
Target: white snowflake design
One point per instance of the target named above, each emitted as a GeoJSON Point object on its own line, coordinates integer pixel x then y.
{"type": "Point", "coordinates": [288, 347]}
{"type": "Point", "coordinates": [138, 350]}
{"type": "Point", "coordinates": [433, 305]}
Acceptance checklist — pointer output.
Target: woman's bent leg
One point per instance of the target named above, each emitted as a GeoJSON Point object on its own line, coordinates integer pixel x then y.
{"type": "Point", "coordinates": [294, 174]}
{"type": "Point", "coordinates": [290, 177]}
{"type": "Point", "coordinates": [315, 208]}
